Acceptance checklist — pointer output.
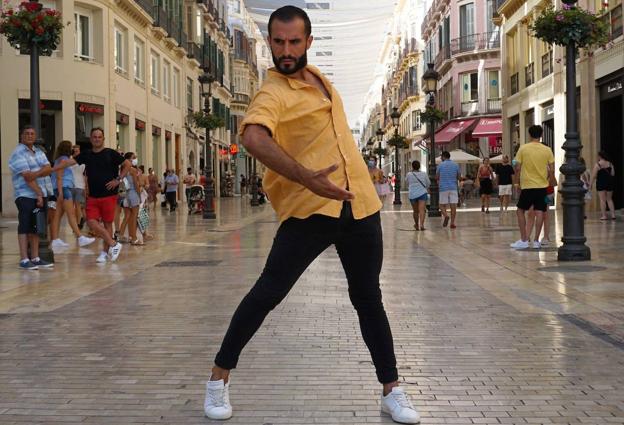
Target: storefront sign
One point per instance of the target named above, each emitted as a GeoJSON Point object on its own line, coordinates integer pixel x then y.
{"type": "Point", "coordinates": [167, 135]}
{"type": "Point", "coordinates": [122, 119]}
{"type": "Point", "coordinates": [156, 131]}
{"type": "Point", "coordinates": [613, 87]}
{"type": "Point", "coordinates": [139, 125]}
{"type": "Point", "coordinates": [87, 108]}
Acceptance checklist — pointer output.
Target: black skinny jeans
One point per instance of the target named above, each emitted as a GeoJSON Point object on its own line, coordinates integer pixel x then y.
{"type": "Point", "coordinates": [297, 243]}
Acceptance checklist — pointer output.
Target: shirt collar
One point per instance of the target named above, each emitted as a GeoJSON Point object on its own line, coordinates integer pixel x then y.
{"type": "Point", "coordinates": [25, 148]}
{"type": "Point", "coordinates": [296, 84]}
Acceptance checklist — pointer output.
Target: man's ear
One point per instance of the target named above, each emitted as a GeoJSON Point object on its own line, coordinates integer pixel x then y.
{"type": "Point", "coordinates": [309, 41]}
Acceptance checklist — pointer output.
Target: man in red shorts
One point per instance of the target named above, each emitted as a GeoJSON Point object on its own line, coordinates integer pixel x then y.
{"type": "Point", "coordinates": [102, 168]}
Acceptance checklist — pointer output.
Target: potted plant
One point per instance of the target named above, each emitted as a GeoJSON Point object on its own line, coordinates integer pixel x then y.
{"type": "Point", "coordinates": [30, 25]}
{"type": "Point", "coordinates": [570, 25]}
{"type": "Point", "coordinates": [207, 121]}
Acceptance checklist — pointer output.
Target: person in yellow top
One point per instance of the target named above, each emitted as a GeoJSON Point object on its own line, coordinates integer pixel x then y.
{"type": "Point", "coordinates": [535, 164]}
{"type": "Point", "coordinates": [322, 193]}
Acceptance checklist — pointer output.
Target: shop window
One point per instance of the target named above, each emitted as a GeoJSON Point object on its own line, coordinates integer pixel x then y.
{"type": "Point", "coordinates": [139, 62]}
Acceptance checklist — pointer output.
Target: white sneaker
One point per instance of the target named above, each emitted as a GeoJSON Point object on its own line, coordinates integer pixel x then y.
{"type": "Point", "coordinates": [398, 405]}
{"type": "Point", "coordinates": [217, 402]}
{"type": "Point", "coordinates": [537, 245]}
{"type": "Point", "coordinates": [58, 243]}
{"type": "Point", "coordinates": [84, 240]}
{"type": "Point", "coordinates": [545, 242]}
{"type": "Point", "coordinates": [520, 244]}
{"type": "Point", "coordinates": [102, 258]}
{"type": "Point", "coordinates": [113, 251]}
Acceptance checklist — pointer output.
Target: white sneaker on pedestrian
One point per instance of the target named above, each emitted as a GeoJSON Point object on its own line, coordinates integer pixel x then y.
{"type": "Point", "coordinates": [537, 245]}
{"type": "Point", "coordinates": [84, 240]}
{"type": "Point", "coordinates": [520, 244]}
{"type": "Point", "coordinates": [58, 243]}
{"type": "Point", "coordinates": [113, 251]}
{"type": "Point", "coordinates": [545, 242]}
{"type": "Point", "coordinates": [102, 258]}
{"type": "Point", "coordinates": [217, 402]}
{"type": "Point", "coordinates": [397, 404]}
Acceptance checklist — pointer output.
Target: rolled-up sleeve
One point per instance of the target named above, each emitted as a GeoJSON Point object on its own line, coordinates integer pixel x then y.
{"type": "Point", "coordinates": [265, 110]}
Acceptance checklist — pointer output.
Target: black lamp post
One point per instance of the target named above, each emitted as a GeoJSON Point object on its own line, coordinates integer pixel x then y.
{"type": "Point", "coordinates": [254, 186]}
{"type": "Point", "coordinates": [209, 211]}
{"type": "Point", "coordinates": [45, 252]}
{"type": "Point", "coordinates": [429, 83]}
{"type": "Point", "coordinates": [396, 116]}
{"type": "Point", "coordinates": [573, 248]}
{"type": "Point", "coordinates": [380, 134]}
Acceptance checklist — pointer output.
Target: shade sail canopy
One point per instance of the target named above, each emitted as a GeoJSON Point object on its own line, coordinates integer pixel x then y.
{"type": "Point", "coordinates": [488, 127]}
{"type": "Point", "coordinates": [452, 130]}
{"type": "Point", "coordinates": [461, 157]}
{"type": "Point", "coordinates": [498, 159]}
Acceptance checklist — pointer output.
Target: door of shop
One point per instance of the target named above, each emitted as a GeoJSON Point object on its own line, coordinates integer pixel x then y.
{"type": "Point", "coordinates": [548, 137]}
{"type": "Point", "coordinates": [611, 140]}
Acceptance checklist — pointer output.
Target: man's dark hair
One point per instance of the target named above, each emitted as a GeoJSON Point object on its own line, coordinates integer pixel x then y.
{"type": "Point", "coordinates": [446, 155]}
{"type": "Point", "coordinates": [535, 131]}
{"type": "Point", "coordinates": [188, 170]}
{"type": "Point", "coordinates": [27, 127]}
{"type": "Point", "coordinates": [415, 165]}
{"type": "Point", "coordinates": [96, 129]}
{"type": "Point", "coordinates": [287, 14]}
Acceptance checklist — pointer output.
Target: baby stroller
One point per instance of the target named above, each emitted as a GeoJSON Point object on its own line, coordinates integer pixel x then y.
{"type": "Point", "coordinates": [196, 199]}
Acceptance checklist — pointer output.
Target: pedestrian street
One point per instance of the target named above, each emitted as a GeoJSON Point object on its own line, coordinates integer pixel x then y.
{"type": "Point", "coordinates": [483, 334]}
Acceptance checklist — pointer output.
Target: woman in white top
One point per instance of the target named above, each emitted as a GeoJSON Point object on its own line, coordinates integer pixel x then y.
{"type": "Point", "coordinates": [78, 191]}
{"type": "Point", "coordinates": [419, 183]}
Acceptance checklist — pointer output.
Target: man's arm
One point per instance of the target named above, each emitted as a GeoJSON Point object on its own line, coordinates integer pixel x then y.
{"type": "Point", "coordinates": [31, 176]}
{"type": "Point", "coordinates": [258, 141]}
{"type": "Point", "coordinates": [125, 167]}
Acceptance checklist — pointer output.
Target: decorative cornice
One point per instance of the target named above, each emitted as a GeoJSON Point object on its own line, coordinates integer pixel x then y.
{"type": "Point", "coordinates": [135, 11]}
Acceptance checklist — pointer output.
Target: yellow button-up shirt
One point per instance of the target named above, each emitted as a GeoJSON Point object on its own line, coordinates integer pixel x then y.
{"type": "Point", "coordinates": [314, 131]}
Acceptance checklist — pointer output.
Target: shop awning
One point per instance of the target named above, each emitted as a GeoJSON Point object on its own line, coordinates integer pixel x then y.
{"type": "Point", "coordinates": [488, 127]}
{"type": "Point", "coordinates": [452, 130]}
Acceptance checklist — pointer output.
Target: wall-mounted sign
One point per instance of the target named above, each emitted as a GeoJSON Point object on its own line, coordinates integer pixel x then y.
{"type": "Point", "coordinates": [87, 108]}
{"type": "Point", "coordinates": [156, 131]}
{"type": "Point", "coordinates": [122, 119]}
{"type": "Point", "coordinates": [139, 125]}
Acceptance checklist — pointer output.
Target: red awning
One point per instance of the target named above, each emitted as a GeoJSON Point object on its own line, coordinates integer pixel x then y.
{"type": "Point", "coordinates": [452, 130]}
{"type": "Point", "coordinates": [488, 127]}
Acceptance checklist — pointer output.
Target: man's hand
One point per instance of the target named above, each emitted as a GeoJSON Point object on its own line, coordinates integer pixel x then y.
{"type": "Point", "coordinates": [39, 201]}
{"type": "Point", "coordinates": [319, 183]}
{"type": "Point", "coordinates": [112, 184]}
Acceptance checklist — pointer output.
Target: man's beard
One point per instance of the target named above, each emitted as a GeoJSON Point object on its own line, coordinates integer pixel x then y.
{"type": "Point", "coordinates": [300, 63]}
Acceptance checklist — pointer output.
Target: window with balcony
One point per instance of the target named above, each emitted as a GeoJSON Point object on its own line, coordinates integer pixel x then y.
{"type": "Point", "coordinates": [529, 74]}
{"type": "Point", "coordinates": [139, 61]}
{"type": "Point", "coordinates": [120, 50]}
{"type": "Point", "coordinates": [83, 43]}
{"type": "Point", "coordinates": [189, 94]}
{"type": "Point", "coordinates": [469, 92]}
{"type": "Point", "coordinates": [466, 27]}
{"type": "Point", "coordinates": [176, 87]}
{"type": "Point", "coordinates": [155, 73]}
{"type": "Point", "coordinates": [513, 83]}
{"type": "Point", "coordinates": [494, 99]}
{"type": "Point", "coordinates": [416, 123]}
{"type": "Point", "coordinates": [547, 63]}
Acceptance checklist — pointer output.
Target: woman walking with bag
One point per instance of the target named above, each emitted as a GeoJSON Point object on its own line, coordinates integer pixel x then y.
{"type": "Point", "coordinates": [419, 183]}
{"type": "Point", "coordinates": [604, 176]}
{"type": "Point", "coordinates": [486, 176]}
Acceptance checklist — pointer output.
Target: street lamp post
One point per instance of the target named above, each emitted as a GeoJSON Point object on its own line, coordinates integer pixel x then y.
{"type": "Point", "coordinates": [209, 211]}
{"type": "Point", "coordinates": [573, 248]}
{"type": "Point", "coordinates": [430, 82]}
{"type": "Point", "coordinates": [35, 120]}
{"type": "Point", "coordinates": [254, 186]}
{"type": "Point", "coordinates": [380, 133]}
{"type": "Point", "coordinates": [395, 115]}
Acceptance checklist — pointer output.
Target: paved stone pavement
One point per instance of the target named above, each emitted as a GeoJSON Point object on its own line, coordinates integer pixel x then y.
{"type": "Point", "coordinates": [483, 334]}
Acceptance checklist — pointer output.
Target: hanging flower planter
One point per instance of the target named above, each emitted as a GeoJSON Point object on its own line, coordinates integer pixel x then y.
{"type": "Point", "coordinates": [570, 25]}
{"type": "Point", "coordinates": [398, 141]}
{"type": "Point", "coordinates": [380, 152]}
{"type": "Point", "coordinates": [432, 114]}
{"type": "Point", "coordinates": [207, 121]}
{"type": "Point", "coordinates": [29, 25]}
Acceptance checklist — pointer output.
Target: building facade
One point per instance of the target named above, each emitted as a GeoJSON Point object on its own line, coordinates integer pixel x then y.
{"type": "Point", "coordinates": [534, 86]}
{"type": "Point", "coordinates": [464, 45]}
{"type": "Point", "coordinates": [129, 67]}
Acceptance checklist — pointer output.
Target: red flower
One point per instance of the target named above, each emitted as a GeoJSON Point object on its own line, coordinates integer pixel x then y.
{"type": "Point", "coordinates": [10, 12]}
{"type": "Point", "coordinates": [39, 30]}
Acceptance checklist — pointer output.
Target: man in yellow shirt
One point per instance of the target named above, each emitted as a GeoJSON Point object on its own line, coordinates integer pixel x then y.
{"type": "Point", "coordinates": [320, 189]}
{"type": "Point", "coordinates": [535, 164]}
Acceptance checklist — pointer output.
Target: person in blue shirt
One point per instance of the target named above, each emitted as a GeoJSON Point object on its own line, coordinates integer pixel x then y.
{"type": "Point", "coordinates": [448, 175]}
{"type": "Point", "coordinates": [31, 186]}
{"type": "Point", "coordinates": [63, 181]}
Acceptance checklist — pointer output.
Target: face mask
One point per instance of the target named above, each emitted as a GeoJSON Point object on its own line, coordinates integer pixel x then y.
{"type": "Point", "coordinates": [135, 162]}
{"type": "Point", "coordinates": [371, 164]}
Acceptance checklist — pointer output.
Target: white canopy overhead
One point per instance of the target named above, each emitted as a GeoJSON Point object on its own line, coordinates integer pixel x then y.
{"type": "Point", "coordinates": [498, 159]}
{"type": "Point", "coordinates": [461, 157]}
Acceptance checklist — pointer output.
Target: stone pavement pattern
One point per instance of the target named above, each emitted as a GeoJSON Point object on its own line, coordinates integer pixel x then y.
{"type": "Point", "coordinates": [483, 335]}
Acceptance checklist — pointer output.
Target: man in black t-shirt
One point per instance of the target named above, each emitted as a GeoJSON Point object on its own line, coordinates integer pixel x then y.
{"type": "Point", "coordinates": [102, 168]}
{"type": "Point", "coordinates": [504, 177]}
